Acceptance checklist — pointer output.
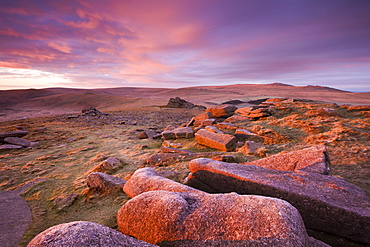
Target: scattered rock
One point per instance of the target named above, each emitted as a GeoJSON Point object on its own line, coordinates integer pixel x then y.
{"type": "Point", "coordinates": [168, 143]}
{"type": "Point", "coordinates": [312, 159]}
{"type": "Point", "coordinates": [222, 142]}
{"type": "Point", "coordinates": [250, 147]}
{"type": "Point", "coordinates": [181, 132]}
{"type": "Point", "coordinates": [9, 147]}
{"type": "Point", "coordinates": [326, 203]}
{"type": "Point", "coordinates": [63, 202]}
{"type": "Point", "coordinates": [253, 113]}
{"type": "Point", "coordinates": [169, 127]}
{"type": "Point", "coordinates": [20, 142]}
{"type": "Point", "coordinates": [237, 118]}
{"type": "Point", "coordinates": [103, 181]}
{"type": "Point", "coordinates": [222, 110]}
{"type": "Point", "coordinates": [147, 134]}
{"type": "Point", "coordinates": [203, 116]}
{"type": "Point", "coordinates": [147, 179]}
{"type": "Point", "coordinates": [18, 133]}
{"type": "Point", "coordinates": [84, 234]}
{"type": "Point", "coordinates": [173, 150]}
{"type": "Point", "coordinates": [200, 219]}
{"type": "Point", "coordinates": [214, 129]}
{"type": "Point", "coordinates": [109, 165]}
{"type": "Point", "coordinates": [243, 135]}
{"type": "Point", "coordinates": [226, 126]}
{"type": "Point", "coordinates": [205, 122]}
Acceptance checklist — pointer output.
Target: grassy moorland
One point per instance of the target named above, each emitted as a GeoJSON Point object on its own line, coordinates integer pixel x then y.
{"type": "Point", "coordinates": [70, 147]}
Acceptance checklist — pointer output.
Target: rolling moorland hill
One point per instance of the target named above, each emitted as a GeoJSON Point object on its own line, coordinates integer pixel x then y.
{"type": "Point", "coordinates": [18, 104]}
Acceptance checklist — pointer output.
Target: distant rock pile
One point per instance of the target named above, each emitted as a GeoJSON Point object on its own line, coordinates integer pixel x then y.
{"type": "Point", "coordinates": [181, 103]}
{"type": "Point", "coordinates": [91, 111]}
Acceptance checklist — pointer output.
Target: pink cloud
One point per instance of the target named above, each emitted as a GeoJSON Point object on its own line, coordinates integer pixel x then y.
{"type": "Point", "coordinates": [193, 41]}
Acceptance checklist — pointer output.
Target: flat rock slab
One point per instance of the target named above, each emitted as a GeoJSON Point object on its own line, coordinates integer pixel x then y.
{"type": "Point", "coordinates": [222, 142]}
{"type": "Point", "coordinates": [313, 159]}
{"type": "Point", "coordinates": [15, 216]}
{"type": "Point", "coordinates": [222, 110]}
{"type": "Point", "coordinates": [9, 146]}
{"type": "Point", "coordinates": [17, 133]}
{"type": "Point", "coordinates": [326, 203]}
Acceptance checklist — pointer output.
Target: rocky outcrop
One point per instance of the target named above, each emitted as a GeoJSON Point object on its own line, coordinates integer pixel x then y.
{"type": "Point", "coordinates": [83, 234]}
{"type": "Point", "coordinates": [222, 111]}
{"type": "Point", "coordinates": [147, 179]}
{"type": "Point", "coordinates": [103, 181]}
{"type": "Point", "coordinates": [326, 203]}
{"type": "Point", "coordinates": [312, 159]}
{"type": "Point", "coordinates": [181, 103]}
{"type": "Point", "coordinates": [91, 111]}
{"type": "Point", "coordinates": [222, 142]}
{"type": "Point", "coordinates": [200, 219]}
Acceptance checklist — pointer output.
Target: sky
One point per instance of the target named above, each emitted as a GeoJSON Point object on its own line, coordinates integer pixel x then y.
{"type": "Point", "coordinates": [184, 43]}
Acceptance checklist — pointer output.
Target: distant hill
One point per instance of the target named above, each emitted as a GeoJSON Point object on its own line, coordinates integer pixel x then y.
{"type": "Point", "coordinates": [15, 104]}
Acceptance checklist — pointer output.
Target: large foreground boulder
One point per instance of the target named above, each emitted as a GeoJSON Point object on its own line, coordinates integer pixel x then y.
{"type": "Point", "coordinates": [191, 219]}
{"type": "Point", "coordinates": [147, 179]}
{"type": "Point", "coordinates": [222, 142]}
{"type": "Point", "coordinates": [313, 159]}
{"type": "Point", "coordinates": [326, 203]}
{"type": "Point", "coordinates": [83, 234]}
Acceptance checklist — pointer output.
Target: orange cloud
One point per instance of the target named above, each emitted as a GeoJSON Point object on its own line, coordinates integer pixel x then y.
{"type": "Point", "coordinates": [63, 47]}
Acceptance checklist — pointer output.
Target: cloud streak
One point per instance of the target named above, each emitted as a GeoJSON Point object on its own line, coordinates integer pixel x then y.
{"type": "Point", "coordinates": [187, 43]}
